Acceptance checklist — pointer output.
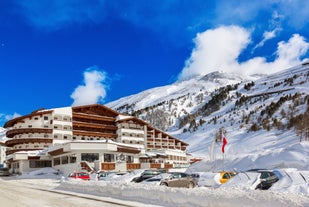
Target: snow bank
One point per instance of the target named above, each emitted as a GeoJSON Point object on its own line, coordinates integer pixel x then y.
{"type": "Point", "coordinates": [40, 173]}
{"type": "Point", "coordinates": [291, 190]}
{"type": "Point", "coordinates": [171, 197]}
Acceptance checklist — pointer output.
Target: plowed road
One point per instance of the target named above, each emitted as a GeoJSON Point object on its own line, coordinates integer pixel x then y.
{"type": "Point", "coordinates": [15, 193]}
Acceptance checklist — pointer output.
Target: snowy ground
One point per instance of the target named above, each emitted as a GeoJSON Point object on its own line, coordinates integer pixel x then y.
{"type": "Point", "coordinates": [290, 190]}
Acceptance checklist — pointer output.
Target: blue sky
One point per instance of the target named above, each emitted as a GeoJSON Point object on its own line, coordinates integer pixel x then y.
{"type": "Point", "coordinates": [56, 53]}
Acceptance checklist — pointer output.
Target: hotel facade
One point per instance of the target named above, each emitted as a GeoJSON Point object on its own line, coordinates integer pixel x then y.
{"type": "Point", "coordinates": [89, 138]}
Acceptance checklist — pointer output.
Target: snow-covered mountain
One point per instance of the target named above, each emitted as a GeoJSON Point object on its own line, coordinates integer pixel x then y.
{"type": "Point", "coordinates": [263, 117]}
{"type": "Point", "coordinates": [192, 87]}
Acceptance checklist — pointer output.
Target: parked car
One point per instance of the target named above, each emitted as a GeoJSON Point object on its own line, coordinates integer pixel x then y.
{"type": "Point", "coordinates": [179, 179]}
{"type": "Point", "coordinates": [225, 176]}
{"type": "Point", "coordinates": [155, 180]}
{"type": "Point", "coordinates": [106, 175]}
{"type": "Point", "coordinates": [268, 178]}
{"type": "Point", "coordinates": [79, 175]}
{"type": "Point", "coordinates": [148, 174]}
{"type": "Point", "coordinates": [4, 171]}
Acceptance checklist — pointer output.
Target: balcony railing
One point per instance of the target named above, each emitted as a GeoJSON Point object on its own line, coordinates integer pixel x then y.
{"type": "Point", "coordinates": [11, 151]}
{"type": "Point", "coordinates": [92, 117]}
{"type": "Point", "coordinates": [11, 133]}
{"type": "Point", "coordinates": [108, 166]}
{"type": "Point", "coordinates": [133, 166]}
{"type": "Point", "coordinates": [11, 143]}
{"type": "Point", "coordinates": [94, 125]}
{"type": "Point", "coordinates": [94, 134]}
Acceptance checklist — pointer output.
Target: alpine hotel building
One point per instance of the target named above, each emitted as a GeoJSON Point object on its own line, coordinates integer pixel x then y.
{"type": "Point", "coordinates": [89, 138]}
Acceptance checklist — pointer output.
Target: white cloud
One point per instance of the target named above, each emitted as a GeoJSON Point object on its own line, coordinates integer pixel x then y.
{"type": "Point", "coordinates": [11, 116]}
{"type": "Point", "coordinates": [218, 50]}
{"type": "Point", "coordinates": [215, 50]}
{"type": "Point", "coordinates": [266, 36]}
{"type": "Point", "coordinates": [94, 88]}
{"type": "Point", "coordinates": [275, 23]}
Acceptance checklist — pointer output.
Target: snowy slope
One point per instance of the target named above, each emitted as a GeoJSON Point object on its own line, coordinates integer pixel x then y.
{"type": "Point", "coordinates": [255, 114]}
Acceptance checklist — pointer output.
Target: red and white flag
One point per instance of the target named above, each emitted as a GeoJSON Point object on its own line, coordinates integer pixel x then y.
{"type": "Point", "coordinates": [224, 142]}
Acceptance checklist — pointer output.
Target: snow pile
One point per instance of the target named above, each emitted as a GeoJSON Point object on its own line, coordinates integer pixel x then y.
{"type": "Point", "coordinates": [41, 173]}
{"type": "Point", "coordinates": [291, 190]}
{"type": "Point", "coordinates": [293, 181]}
{"type": "Point", "coordinates": [242, 156]}
{"type": "Point", "coordinates": [161, 195]}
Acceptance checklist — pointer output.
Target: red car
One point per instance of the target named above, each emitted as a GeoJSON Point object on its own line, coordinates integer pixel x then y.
{"type": "Point", "coordinates": [79, 175]}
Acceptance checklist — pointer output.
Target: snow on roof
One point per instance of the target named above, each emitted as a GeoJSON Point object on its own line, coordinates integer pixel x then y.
{"type": "Point", "coordinates": [122, 117]}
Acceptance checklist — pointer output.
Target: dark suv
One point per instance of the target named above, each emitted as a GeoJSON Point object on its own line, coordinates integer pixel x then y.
{"type": "Point", "coordinates": [148, 174]}
{"type": "Point", "coordinates": [268, 178]}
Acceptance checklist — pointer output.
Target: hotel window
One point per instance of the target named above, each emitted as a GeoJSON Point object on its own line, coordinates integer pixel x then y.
{"type": "Point", "coordinates": [130, 159]}
{"type": "Point", "coordinates": [57, 161]}
{"type": "Point", "coordinates": [58, 136]}
{"type": "Point", "coordinates": [109, 158]}
{"type": "Point", "coordinates": [90, 157]}
{"type": "Point", "coordinates": [64, 160]}
{"type": "Point", "coordinates": [72, 158]}
{"type": "Point", "coordinates": [57, 126]}
{"type": "Point", "coordinates": [39, 163]}
{"type": "Point", "coordinates": [45, 117]}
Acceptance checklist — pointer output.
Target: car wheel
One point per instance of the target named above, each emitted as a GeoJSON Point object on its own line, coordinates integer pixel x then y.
{"type": "Point", "coordinates": [191, 185]}
{"type": "Point", "coordinates": [163, 184]}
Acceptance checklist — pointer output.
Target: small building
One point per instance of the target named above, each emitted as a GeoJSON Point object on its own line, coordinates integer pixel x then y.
{"type": "Point", "coordinates": [89, 138]}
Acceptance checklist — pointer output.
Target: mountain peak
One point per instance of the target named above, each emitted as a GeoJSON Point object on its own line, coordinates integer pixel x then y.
{"type": "Point", "coordinates": [225, 78]}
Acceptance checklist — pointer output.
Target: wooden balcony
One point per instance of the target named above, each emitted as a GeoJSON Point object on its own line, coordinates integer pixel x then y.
{"type": "Point", "coordinates": [93, 117]}
{"type": "Point", "coordinates": [168, 166]}
{"type": "Point", "coordinates": [11, 133]}
{"type": "Point", "coordinates": [108, 166]}
{"type": "Point", "coordinates": [94, 126]}
{"type": "Point", "coordinates": [11, 151]}
{"type": "Point", "coordinates": [133, 166]}
{"type": "Point", "coordinates": [94, 134]}
{"type": "Point", "coordinates": [155, 165]}
{"type": "Point", "coordinates": [13, 142]}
